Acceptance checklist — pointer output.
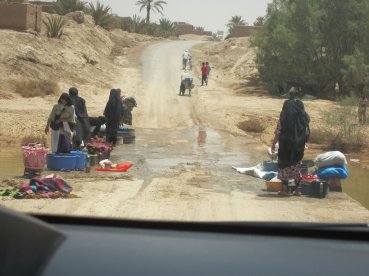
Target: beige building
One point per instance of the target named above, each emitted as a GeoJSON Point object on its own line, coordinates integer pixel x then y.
{"type": "Point", "coordinates": [20, 16]}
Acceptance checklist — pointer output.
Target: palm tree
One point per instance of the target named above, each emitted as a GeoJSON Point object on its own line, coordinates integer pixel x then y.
{"type": "Point", "coordinates": [101, 14]}
{"type": "Point", "coordinates": [259, 21]}
{"type": "Point", "coordinates": [167, 27]}
{"type": "Point", "coordinates": [235, 21]}
{"type": "Point", "coordinates": [63, 7]}
{"type": "Point", "coordinates": [156, 6]}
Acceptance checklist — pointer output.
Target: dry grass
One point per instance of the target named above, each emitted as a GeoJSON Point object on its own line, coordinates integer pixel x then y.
{"type": "Point", "coordinates": [34, 139]}
{"type": "Point", "coordinates": [318, 136]}
{"type": "Point", "coordinates": [252, 125]}
{"type": "Point", "coordinates": [36, 88]}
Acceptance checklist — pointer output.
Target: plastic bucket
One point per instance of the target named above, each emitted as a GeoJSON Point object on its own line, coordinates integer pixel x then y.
{"type": "Point", "coordinates": [81, 161]}
{"type": "Point", "coordinates": [65, 162]}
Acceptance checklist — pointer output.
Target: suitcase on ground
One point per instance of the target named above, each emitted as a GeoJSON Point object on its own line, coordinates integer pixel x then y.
{"type": "Point", "coordinates": [319, 189]}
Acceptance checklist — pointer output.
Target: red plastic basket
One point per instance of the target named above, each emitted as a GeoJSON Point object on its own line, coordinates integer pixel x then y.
{"type": "Point", "coordinates": [34, 157]}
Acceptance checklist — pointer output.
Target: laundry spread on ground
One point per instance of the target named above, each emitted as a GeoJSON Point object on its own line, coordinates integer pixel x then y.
{"type": "Point", "coordinates": [51, 186]}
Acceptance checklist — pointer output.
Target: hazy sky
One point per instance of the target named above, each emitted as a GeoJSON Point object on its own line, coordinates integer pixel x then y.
{"type": "Point", "coordinates": [211, 14]}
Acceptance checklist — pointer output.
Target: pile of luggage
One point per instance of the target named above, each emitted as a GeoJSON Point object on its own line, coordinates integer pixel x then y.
{"type": "Point", "coordinates": [331, 168]}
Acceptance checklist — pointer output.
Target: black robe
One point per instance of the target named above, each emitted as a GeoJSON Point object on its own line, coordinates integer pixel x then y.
{"type": "Point", "coordinates": [294, 133]}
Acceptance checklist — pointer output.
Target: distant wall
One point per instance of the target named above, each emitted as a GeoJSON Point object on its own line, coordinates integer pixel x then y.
{"type": "Point", "coordinates": [245, 31]}
{"type": "Point", "coordinates": [20, 17]}
{"type": "Point", "coordinates": [202, 33]}
{"type": "Point", "coordinates": [185, 28]}
{"type": "Point", "coordinates": [46, 6]}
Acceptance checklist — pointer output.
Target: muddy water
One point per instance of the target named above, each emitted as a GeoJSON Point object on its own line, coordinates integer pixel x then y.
{"type": "Point", "coordinates": [160, 153]}
{"type": "Point", "coordinates": [357, 185]}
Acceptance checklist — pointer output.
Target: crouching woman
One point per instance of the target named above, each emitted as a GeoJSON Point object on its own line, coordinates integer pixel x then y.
{"type": "Point", "coordinates": [62, 122]}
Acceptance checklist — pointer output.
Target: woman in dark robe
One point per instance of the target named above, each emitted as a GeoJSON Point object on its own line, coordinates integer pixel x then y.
{"type": "Point", "coordinates": [112, 114]}
{"type": "Point", "coordinates": [82, 123]}
{"type": "Point", "coordinates": [292, 133]}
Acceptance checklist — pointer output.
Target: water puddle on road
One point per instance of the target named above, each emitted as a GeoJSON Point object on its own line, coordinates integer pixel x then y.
{"type": "Point", "coordinates": [157, 153]}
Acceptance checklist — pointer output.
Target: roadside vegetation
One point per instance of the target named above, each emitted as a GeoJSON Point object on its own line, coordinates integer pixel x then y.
{"type": "Point", "coordinates": [342, 130]}
{"type": "Point", "coordinates": [315, 44]}
{"type": "Point", "coordinates": [36, 88]}
{"type": "Point", "coordinates": [236, 20]}
{"type": "Point", "coordinates": [55, 26]}
{"type": "Point", "coordinates": [100, 14]}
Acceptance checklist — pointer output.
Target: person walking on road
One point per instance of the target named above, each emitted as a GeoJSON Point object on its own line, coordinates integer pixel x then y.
{"type": "Point", "coordinates": [209, 69]}
{"type": "Point", "coordinates": [363, 103]}
{"type": "Point", "coordinates": [185, 58]}
{"type": "Point", "coordinates": [292, 133]}
{"type": "Point", "coordinates": [204, 74]}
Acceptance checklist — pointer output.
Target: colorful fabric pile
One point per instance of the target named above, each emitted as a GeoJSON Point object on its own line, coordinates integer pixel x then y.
{"type": "Point", "coordinates": [51, 186]}
{"type": "Point", "coordinates": [99, 145]}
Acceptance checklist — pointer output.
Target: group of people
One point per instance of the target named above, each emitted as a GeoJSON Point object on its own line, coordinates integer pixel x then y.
{"type": "Point", "coordinates": [71, 127]}
{"type": "Point", "coordinates": [205, 68]}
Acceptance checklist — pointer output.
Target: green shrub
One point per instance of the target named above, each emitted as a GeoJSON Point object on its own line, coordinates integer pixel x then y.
{"type": "Point", "coordinates": [55, 26]}
{"type": "Point", "coordinates": [36, 88]}
{"type": "Point", "coordinates": [63, 7]}
{"type": "Point", "coordinates": [101, 14]}
{"type": "Point", "coordinates": [343, 131]}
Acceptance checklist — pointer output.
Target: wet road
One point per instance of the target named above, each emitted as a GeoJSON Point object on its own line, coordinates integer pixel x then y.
{"type": "Point", "coordinates": [183, 169]}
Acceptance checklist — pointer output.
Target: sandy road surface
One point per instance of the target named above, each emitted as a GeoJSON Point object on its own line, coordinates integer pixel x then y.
{"type": "Point", "coordinates": [175, 177]}
{"type": "Point", "coordinates": [161, 107]}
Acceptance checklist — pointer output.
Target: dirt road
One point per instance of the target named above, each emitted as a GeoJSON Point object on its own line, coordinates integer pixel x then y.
{"type": "Point", "coordinates": [161, 107]}
{"type": "Point", "coordinates": [179, 173]}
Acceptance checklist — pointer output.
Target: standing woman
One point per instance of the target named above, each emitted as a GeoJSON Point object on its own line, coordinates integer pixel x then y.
{"type": "Point", "coordinates": [112, 114]}
{"type": "Point", "coordinates": [292, 133]}
{"type": "Point", "coordinates": [62, 122]}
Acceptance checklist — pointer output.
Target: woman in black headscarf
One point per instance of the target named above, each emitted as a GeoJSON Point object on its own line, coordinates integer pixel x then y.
{"type": "Point", "coordinates": [61, 121]}
{"type": "Point", "coordinates": [112, 114]}
{"type": "Point", "coordinates": [292, 133]}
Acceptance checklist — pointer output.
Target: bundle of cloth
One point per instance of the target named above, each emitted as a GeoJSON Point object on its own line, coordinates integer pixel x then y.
{"type": "Point", "coordinates": [331, 165]}
{"type": "Point", "coordinates": [265, 170]}
{"type": "Point", "coordinates": [51, 186]}
{"type": "Point", "coordinates": [99, 145]}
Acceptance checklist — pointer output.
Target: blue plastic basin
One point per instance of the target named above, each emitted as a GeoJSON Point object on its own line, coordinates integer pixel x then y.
{"type": "Point", "coordinates": [61, 162]}
{"type": "Point", "coordinates": [81, 160]}
{"type": "Point", "coordinates": [270, 166]}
